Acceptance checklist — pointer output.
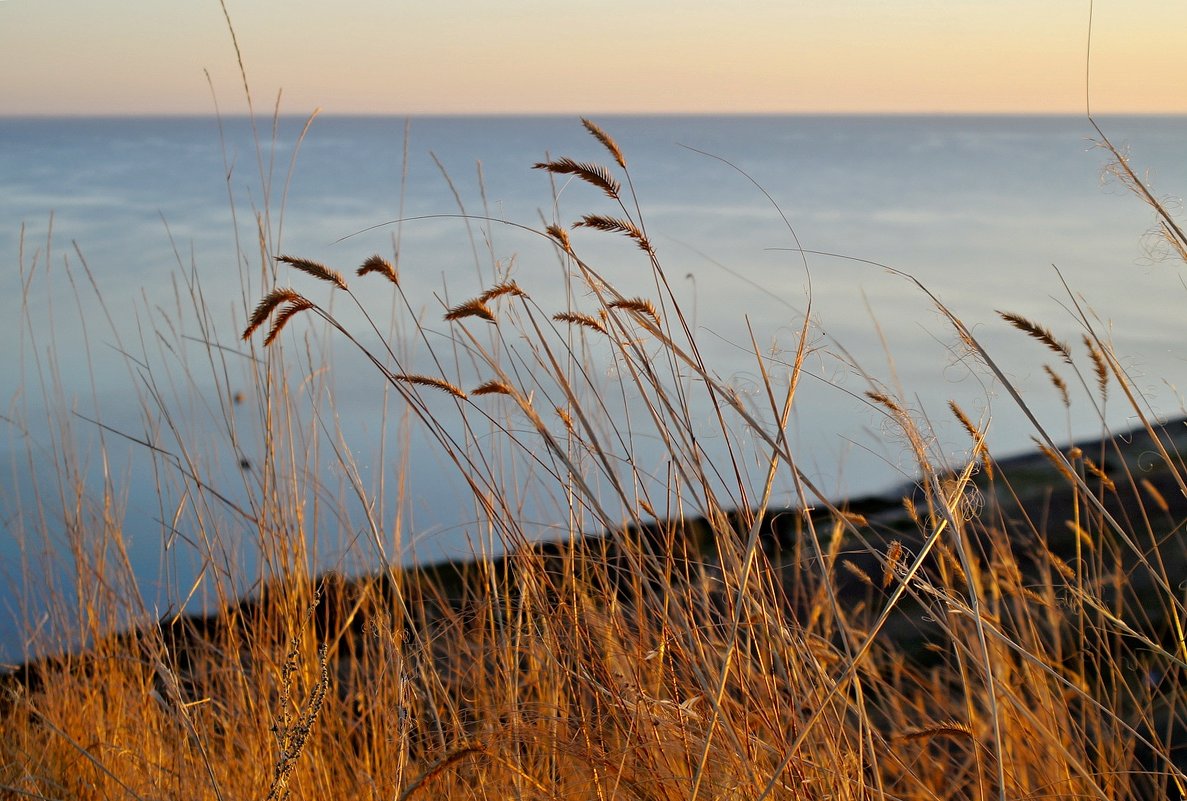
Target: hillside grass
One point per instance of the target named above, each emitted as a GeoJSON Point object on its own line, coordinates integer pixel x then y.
{"type": "Point", "coordinates": [1009, 631]}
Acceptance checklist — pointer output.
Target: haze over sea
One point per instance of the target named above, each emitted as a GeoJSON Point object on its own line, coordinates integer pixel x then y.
{"type": "Point", "coordinates": [981, 210]}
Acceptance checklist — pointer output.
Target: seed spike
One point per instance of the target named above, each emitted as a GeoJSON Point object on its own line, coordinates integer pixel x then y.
{"type": "Point", "coordinates": [493, 388]}
{"type": "Point", "coordinates": [1038, 332]}
{"type": "Point", "coordinates": [641, 306]}
{"type": "Point", "coordinates": [606, 140]}
{"type": "Point", "coordinates": [378, 264]}
{"type": "Point", "coordinates": [560, 236]}
{"type": "Point", "coordinates": [577, 318]}
{"type": "Point", "coordinates": [429, 381]}
{"type": "Point", "coordinates": [500, 289]}
{"type": "Point", "coordinates": [591, 173]}
{"type": "Point", "coordinates": [471, 308]}
{"type": "Point", "coordinates": [283, 316]}
{"type": "Point", "coordinates": [616, 225]}
{"type": "Point", "coordinates": [316, 269]}
{"type": "Point", "coordinates": [266, 306]}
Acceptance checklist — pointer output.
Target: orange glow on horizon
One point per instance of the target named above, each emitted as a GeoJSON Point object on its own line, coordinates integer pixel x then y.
{"type": "Point", "coordinates": [365, 56]}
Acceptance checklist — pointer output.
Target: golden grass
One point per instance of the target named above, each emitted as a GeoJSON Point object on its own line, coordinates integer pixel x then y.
{"type": "Point", "coordinates": [1038, 332]}
{"type": "Point", "coordinates": [315, 269]}
{"type": "Point", "coordinates": [995, 636]}
{"type": "Point", "coordinates": [471, 308]}
{"type": "Point", "coordinates": [593, 174]}
{"type": "Point", "coordinates": [603, 222]}
{"type": "Point", "coordinates": [378, 264]}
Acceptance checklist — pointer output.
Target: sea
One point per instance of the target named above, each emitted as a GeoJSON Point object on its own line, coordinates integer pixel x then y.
{"type": "Point", "coordinates": [134, 248]}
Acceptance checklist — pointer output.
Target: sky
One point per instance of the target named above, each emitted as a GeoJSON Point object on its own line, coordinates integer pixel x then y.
{"type": "Point", "coordinates": [613, 56]}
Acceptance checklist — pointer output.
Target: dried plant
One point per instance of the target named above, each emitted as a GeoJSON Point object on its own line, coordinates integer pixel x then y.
{"type": "Point", "coordinates": [560, 236]}
{"type": "Point", "coordinates": [1038, 332]}
{"type": "Point", "coordinates": [277, 297]}
{"type": "Point", "coordinates": [594, 174]}
{"type": "Point", "coordinates": [499, 290]}
{"type": "Point", "coordinates": [286, 313]}
{"type": "Point", "coordinates": [640, 306]}
{"type": "Point", "coordinates": [471, 308]}
{"type": "Point", "coordinates": [493, 388]}
{"type": "Point", "coordinates": [429, 381]}
{"type": "Point", "coordinates": [616, 225]}
{"type": "Point", "coordinates": [315, 269]}
{"type": "Point", "coordinates": [1008, 632]}
{"type": "Point", "coordinates": [378, 264]}
{"type": "Point", "coordinates": [980, 449]}
{"type": "Point", "coordinates": [606, 140]}
{"type": "Point", "coordinates": [1059, 384]}
{"type": "Point", "coordinates": [1099, 368]}
{"type": "Point", "coordinates": [581, 319]}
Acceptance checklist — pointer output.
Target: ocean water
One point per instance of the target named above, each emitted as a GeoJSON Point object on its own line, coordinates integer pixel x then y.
{"type": "Point", "coordinates": [110, 228]}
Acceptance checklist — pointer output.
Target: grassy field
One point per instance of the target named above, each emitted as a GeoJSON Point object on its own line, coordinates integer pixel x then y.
{"type": "Point", "coordinates": [1008, 630]}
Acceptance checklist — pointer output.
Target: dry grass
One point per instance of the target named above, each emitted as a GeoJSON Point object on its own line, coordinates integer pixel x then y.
{"type": "Point", "coordinates": [1004, 637]}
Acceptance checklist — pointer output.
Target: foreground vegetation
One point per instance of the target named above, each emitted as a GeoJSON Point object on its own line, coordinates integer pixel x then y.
{"type": "Point", "coordinates": [1008, 631]}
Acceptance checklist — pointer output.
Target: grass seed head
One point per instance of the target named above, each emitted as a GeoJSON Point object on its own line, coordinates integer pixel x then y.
{"type": "Point", "coordinates": [1037, 332]}
{"type": "Point", "coordinates": [607, 142]}
{"type": "Point", "coordinates": [584, 320]}
{"type": "Point", "coordinates": [501, 289]}
{"type": "Point", "coordinates": [593, 174]}
{"type": "Point", "coordinates": [560, 235]}
{"type": "Point", "coordinates": [493, 388]}
{"type": "Point", "coordinates": [615, 225]}
{"type": "Point", "coordinates": [1099, 367]}
{"type": "Point", "coordinates": [378, 264]}
{"type": "Point", "coordinates": [471, 308]}
{"type": "Point", "coordinates": [266, 306]}
{"type": "Point", "coordinates": [639, 306]}
{"type": "Point", "coordinates": [316, 269]}
{"type": "Point", "coordinates": [1059, 384]}
{"type": "Point", "coordinates": [284, 315]}
{"type": "Point", "coordinates": [429, 381]}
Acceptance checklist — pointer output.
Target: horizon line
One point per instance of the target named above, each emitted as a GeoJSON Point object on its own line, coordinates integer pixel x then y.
{"type": "Point", "coordinates": [568, 114]}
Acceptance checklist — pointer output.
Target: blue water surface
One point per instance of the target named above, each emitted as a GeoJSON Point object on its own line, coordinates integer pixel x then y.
{"type": "Point", "coordinates": [132, 252]}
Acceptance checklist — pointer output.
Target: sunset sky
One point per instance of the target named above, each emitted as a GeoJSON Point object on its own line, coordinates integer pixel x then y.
{"type": "Point", "coordinates": [530, 56]}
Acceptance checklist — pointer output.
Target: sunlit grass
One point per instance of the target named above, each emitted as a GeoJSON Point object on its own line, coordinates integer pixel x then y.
{"type": "Point", "coordinates": [1011, 630]}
